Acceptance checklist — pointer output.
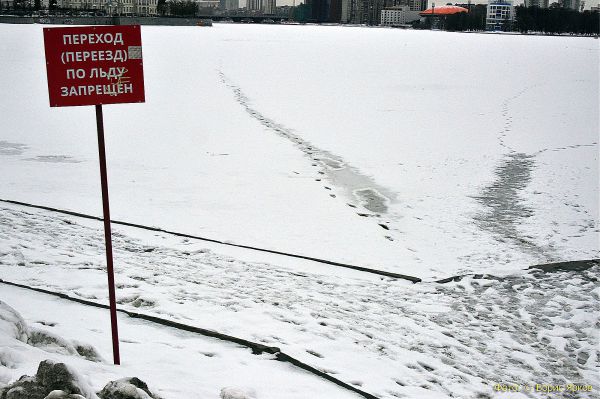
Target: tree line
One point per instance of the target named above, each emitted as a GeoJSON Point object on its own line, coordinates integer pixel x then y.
{"type": "Point", "coordinates": [557, 20]}
{"type": "Point", "coordinates": [474, 20]}
{"type": "Point", "coordinates": [178, 8]}
{"type": "Point", "coordinates": [552, 20]}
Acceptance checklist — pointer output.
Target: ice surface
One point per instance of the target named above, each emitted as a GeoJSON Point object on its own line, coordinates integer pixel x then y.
{"type": "Point", "coordinates": [377, 147]}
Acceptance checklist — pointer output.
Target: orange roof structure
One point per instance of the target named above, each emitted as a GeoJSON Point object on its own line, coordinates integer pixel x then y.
{"type": "Point", "coordinates": [443, 10]}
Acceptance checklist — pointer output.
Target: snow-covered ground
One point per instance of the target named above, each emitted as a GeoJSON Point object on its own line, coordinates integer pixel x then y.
{"type": "Point", "coordinates": [476, 152]}
{"type": "Point", "coordinates": [388, 337]}
{"type": "Point", "coordinates": [430, 154]}
{"type": "Point", "coordinates": [174, 363]}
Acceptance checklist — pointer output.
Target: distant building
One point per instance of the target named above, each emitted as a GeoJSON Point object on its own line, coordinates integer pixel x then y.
{"type": "Point", "coordinates": [369, 11]}
{"type": "Point", "coordinates": [415, 5]}
{"type": "Point", "coordinates": [398, 15]}
{"type": "Point", "coordinates": [572, 4]}
{"type": "Point", "coordinates": [335, 11]}
{"type": "Point", "coordinates": [318, 10]}
{"type": "Point", "coordinates": [394, 16]}
{"type": "Point", "coordinates": [437, 15]}
{"type": "Point", "coordinates": [443, 11]}
{"type": "Point", "coordinates": [269, 7]}
{"type": "Point", "coordinates": [500, 15]}
{"type": "Point", "coordinates": [229, 4]}
{"type": "Point", "coordinates": [122, 7]}
{"type": "Point", "coordinates": [254, 5]}
{"type": "Point", "coordinates": [208, 3]}
{"type": "Point", "coordinates": [537, 3]}
{"type": "Point", "coordinates": [373, 11]}
{"type": "Point", "coordinates": [284, 11]}
{"type": "Point", "coordinates": [145, 7]}
{"type": "Point", "coordinates": [345, 11]}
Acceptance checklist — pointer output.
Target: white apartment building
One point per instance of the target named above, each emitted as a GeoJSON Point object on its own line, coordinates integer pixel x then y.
{"type": "Point", "coordinates": [208, 3]}
{"type": "Point", "coordinates": [146, 7]}
{"type": "Point", "coordinates": [499, 14]}
{"type": "Point", "coordinates": [122, 7]}
{"type": "Point", "coordinates": [394, 16]}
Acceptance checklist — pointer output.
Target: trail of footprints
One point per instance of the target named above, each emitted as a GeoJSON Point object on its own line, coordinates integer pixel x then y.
{"type": "Point", "coordinates": [322, 160]}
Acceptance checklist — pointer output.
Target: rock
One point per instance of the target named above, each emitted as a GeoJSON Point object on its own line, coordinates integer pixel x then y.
{"type": "Point", "coordinates": [51, 379]}
{"type": "Point", "coordinates": [56, 376]}
{"type": "Point", "coordinates": [56, 381]}
{"type": "Point", "coordinates": [127, 388]}
{"type": "Point", "coordinates": [24, 388]}
{"type": "Point", "coordinates": [87, 351]}
{"type": "Point", "coordinates": [42, 339]}
{"type": "Point", "coordinates": [237, 393]}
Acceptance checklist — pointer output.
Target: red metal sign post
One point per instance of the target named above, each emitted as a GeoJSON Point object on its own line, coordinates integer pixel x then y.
{"type": "Point", "coordinates": [94, 66]}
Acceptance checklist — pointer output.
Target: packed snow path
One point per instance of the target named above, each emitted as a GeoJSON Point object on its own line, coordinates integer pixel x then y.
{"type": "Point", "coordinates": [388, 337]}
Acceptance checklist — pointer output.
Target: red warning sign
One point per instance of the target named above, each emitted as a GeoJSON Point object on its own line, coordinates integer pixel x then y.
{"type": "Point", "coordinates": [94, 65]}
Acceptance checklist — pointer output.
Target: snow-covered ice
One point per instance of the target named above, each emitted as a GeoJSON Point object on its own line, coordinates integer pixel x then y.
{"type": "Point", "coordinates": [377, 147]}
{"type": "Point", "coordinates": [431, 154]}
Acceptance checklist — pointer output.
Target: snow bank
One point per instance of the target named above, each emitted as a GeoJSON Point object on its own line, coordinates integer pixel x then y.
{"type": "Point", "coordinates": [176, 364]}
{"type": "Point", "coordinates": [417, 340]}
